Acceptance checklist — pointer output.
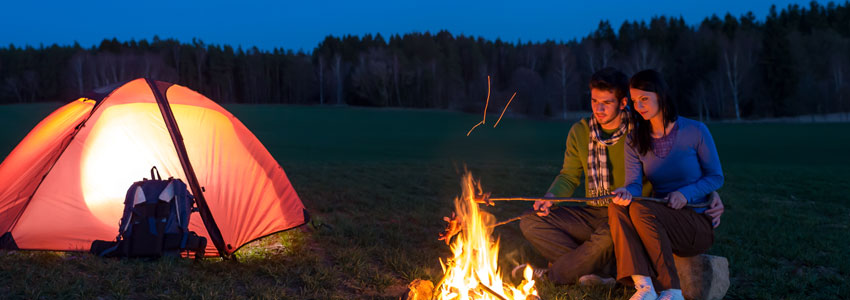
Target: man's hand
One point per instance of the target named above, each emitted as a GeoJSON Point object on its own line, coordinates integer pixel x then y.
{"type": "Point", "coordinates": [622, 197]}
{"type": "Point", "coordinates": [676, 200]}
{"type": "Point", "coordinates": [542, 207]}
{"type": "Point", "coordinates": [715, 209]}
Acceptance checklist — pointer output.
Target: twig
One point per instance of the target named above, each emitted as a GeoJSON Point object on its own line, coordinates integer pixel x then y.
{"type": "Point", "coordinates": [486, 104]}
{"type": "Point", "coordinates": [440, 283]}
{"type": "Point", "coordinates": [454, 228]}
{"type": "Point", "coordinates": [517, 218]}
{"type": "Point", "coordinates": [488, 289]}
{"type": "Point", "coordinates": [487, 200]}
{"type": "Point", "coordinates": [504, 110]}
{"type": "Point", "coordinates": [473, 127]}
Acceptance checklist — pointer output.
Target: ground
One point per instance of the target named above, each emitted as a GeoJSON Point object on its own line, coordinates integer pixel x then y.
{"type": "Point", "coordinates": [378, 183]}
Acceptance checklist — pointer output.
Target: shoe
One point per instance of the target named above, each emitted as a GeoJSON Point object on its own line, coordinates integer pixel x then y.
{"type": "Point", "coordinates": [593, 279]}
{"type": "Point", "coordinates": [644, 293]}
{"type": "Point", "coordinates": [671, 294]}
{"type": "Point", "coordinates": [537, 274]}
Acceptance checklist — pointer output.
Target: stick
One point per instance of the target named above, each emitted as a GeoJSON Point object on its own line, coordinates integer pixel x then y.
{"type": "Point", "coordinates": [574, 200]}
{"type": "Point", "coordinates": [484, 121]}
{"type": "Point", "coordinates": [439, 285]}
{"type": "Point", "coordinates": [488, 289]}
{"type": "Point", "coordinates": [487, 200]}
{"type": "Point", "coordinates": [504, 110]}
{"type": "Point", "coordinates": [473, 127]}
{"type": "Point", "coordinates": [517, 218]}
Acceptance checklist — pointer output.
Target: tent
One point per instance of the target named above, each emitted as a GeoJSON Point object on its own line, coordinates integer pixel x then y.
{"type": "Point", "coordinates": [63, 186]}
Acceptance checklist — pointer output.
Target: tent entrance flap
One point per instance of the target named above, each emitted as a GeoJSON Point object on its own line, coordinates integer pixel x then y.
{"type": "Point", "coordinates": [191, 178]}
{"type": "Point", "coordinates": [7, 242]}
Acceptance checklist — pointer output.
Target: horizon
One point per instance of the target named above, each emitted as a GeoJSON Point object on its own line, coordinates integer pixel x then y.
{"type": "Point", "coordinates": [268, 35]}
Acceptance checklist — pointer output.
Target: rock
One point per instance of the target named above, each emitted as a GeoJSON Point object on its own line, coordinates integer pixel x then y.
{"type": "Point", "coordinates": [703, 277]}
{"type": "Point", "coordinates": [420, 290]}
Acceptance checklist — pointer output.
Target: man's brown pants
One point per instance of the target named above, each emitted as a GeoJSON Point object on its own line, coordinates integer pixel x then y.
{"type": "Point", "coordinates": [647, 234]}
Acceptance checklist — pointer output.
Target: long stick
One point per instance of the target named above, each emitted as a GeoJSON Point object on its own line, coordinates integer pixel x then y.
{"type": "Point", "coordinates": [574, 200]}
{"type": "Point", "coordinates": [585, 200]}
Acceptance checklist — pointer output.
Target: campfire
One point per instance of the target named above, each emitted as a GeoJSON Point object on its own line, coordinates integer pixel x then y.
{"type": "Point", "coordinates": [473, 271]}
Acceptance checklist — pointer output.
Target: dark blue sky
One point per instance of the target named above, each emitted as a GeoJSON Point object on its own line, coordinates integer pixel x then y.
{"type": "Point", "coordinates": [302, 24]}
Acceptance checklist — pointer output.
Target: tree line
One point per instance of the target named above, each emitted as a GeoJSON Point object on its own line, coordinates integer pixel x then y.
{"type": "Point", "coordinates": [791, 63]}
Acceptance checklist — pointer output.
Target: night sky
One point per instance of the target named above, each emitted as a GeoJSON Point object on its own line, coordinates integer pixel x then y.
{"type": "Point", "coordinates": [303, 24]}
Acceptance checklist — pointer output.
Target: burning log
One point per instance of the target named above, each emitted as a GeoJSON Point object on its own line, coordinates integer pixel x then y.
{"type": "Point", "coordinates": [420, 290]}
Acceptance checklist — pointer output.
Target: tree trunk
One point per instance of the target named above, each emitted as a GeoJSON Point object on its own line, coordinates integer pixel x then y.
{"type": "Point", "coordinates": [200, 55]}
{"type": "Point", "coordinates": [564, 83]}
{"type": "Point", "coordinates": [321, 79]}
{"type": "Point", "coordinates": [78, 71]}
{"type": "Point", "coordinates": [838, 78]}
{"type": "Point", "coordinates": [396, 70]}
{"type": "Point", "coordinates": [338, 75]}
{"type": "Point", "coordinates": [175, 53]}
{"type": "Point", "coordinates": [733, 76]}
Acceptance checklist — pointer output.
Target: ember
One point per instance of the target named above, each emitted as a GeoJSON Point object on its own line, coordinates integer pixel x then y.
{"type": "Point", "coordinates": [473, 272]}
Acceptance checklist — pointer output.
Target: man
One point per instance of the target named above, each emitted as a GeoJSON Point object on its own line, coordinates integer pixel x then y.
{"type": "Point", "coordinates": [576, 239]}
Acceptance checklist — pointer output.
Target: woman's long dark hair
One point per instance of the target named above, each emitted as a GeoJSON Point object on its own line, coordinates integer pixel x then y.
{"type": "Point", "coordinates": [651, 81]}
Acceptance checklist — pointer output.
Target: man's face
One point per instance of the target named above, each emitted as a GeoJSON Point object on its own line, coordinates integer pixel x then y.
{"type": "Point", "coordinates": [606, 107]}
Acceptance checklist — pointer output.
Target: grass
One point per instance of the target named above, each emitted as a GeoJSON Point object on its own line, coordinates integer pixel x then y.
{"type": "Point", "coordinates": [378, 182]}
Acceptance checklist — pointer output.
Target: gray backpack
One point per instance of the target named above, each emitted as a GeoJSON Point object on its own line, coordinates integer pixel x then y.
{"type": "Point", "coordinates": [155, 222]}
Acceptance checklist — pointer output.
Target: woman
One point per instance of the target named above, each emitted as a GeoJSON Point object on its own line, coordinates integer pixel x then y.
{"type": "Point", "coordinates": [678, 156]}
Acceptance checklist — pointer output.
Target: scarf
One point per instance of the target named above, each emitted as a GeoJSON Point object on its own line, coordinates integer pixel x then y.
{"type": "Point", "coordinates": [599, 177]}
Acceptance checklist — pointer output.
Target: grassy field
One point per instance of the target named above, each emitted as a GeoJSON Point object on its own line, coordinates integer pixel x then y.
{"type": "Point", "coordinates": [378, 182]}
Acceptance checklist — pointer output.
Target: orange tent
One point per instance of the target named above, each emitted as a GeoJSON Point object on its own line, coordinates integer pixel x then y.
{"type": "Point", "coordinates": [63, 186]}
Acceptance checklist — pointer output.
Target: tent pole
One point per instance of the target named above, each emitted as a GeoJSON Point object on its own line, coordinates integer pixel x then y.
{"type": "Point", "coordinates": [177, 140]}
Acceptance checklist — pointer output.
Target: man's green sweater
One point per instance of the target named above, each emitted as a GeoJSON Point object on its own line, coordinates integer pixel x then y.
{"type": "Point", "coordinates": [575, 162]}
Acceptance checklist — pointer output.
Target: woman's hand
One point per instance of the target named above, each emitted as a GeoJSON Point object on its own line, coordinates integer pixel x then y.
{"type": "Point", "coordinates": [676, 200]}
{"type": "Point", "coordinates": [622, 197]}
{"type": "Point", "coordinates": [542, 207]}
{"type": "Point", "coordinates": [715, 209]}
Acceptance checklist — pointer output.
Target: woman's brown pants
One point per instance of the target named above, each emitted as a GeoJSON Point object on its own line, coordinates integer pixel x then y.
{"type": "Point", "coordinates": [647, 234]}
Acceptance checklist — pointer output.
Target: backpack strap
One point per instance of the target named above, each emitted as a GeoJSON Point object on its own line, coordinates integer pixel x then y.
{"type": "Point", "coordinates": [124, 227]}
{"type": "Point", "coordinates": [109, 250]}
{"type": "Point", "coordinates": [157, 174]}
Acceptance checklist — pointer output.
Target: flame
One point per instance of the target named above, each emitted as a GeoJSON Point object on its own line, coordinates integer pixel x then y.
{"type": "Point", "coordinates": [473, 271]}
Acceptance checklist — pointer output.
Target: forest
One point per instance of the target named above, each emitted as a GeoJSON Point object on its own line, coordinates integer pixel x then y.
{"type": "Point", "coordinates": [795, 61]}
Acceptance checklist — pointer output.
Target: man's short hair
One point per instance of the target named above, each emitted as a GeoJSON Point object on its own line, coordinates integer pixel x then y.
{"type": "Point", "coordinates": [612, 80]}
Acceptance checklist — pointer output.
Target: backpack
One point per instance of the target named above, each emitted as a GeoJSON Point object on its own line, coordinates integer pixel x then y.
{"type": "Point", "coordinates": [155, 222]}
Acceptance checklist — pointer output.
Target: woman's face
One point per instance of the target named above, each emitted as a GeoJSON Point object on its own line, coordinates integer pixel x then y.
{"type": "Point", "coordinates": [646, 103]}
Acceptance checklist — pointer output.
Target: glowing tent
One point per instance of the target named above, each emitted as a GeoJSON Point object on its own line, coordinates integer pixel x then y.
{"type": "Point", "coordinates": [63, 186]}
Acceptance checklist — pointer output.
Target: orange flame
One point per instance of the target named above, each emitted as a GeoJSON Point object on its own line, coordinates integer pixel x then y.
{"type": "Point", "coordinates": [473, 271]}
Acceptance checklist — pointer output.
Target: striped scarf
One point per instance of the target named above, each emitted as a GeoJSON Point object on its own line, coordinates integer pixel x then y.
{"type": "Point", "coordinates": [599, 177]}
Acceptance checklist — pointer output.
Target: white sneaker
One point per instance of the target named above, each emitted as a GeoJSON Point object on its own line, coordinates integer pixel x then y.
{"type": "Point", "coordinates": [644, 293]}
{"type": "Point", "coordinates": [671, 294]}
{"type": "Point", "coordinates": [593, 279]}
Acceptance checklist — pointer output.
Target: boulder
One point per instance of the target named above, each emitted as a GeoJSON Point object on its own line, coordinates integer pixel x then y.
{"type": "Point", "coordinates": [703, 277]}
